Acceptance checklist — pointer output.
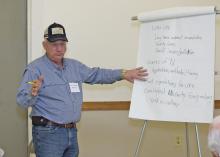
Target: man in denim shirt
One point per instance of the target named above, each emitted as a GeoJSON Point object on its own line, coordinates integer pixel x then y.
{"type": "Point", "coordinates": [52, 86]}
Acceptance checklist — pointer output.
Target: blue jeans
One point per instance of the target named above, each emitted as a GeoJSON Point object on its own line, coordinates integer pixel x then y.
{"type": "Point", "coordinates": [53, 141]}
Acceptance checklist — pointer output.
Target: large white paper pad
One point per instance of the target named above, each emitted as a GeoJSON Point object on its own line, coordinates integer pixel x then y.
{"type": "Point", "coordinates": [179, 56]}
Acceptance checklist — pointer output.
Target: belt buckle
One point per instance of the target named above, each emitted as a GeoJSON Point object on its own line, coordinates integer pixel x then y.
{"type": "Point", "coordinates": [67, 125]}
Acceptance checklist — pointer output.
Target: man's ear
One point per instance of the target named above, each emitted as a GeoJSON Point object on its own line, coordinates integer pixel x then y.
{"type": "Point", "coordinates": [44, 44]}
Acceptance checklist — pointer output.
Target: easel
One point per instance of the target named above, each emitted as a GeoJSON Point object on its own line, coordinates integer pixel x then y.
{"type": "Point", "coordinates": [187, 139]}
{"type": "Point", "coordinates": [134, 18]}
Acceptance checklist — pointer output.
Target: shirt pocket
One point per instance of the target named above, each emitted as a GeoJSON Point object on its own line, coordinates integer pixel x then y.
{"type": "Point", "coordinates": [55, 89]}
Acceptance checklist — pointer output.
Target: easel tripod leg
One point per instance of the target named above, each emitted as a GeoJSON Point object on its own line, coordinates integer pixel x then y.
{"type": "Point", "coordinates": [140, 139]}
{"type": "Point", "coordinates": [197, 138]}
{"type": "Point", "coordinates": [187, 140]}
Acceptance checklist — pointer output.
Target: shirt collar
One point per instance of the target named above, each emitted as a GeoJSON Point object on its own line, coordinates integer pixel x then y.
{"type": "Point", "coordinates": [53, 65]}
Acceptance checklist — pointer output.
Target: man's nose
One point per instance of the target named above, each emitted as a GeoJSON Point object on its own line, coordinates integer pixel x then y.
{"type": "Point", "coordinates": [59, 47]}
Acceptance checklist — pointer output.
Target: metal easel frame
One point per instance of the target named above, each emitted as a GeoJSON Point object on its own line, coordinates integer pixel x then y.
{"type": "Point", "coordinates": [187, 139]}
{"type": "Point", "coordinates": [134, 18]}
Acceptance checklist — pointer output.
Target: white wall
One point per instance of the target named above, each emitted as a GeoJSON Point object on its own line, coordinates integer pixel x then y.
{"type": "Point", "coordinates": [101, 34]}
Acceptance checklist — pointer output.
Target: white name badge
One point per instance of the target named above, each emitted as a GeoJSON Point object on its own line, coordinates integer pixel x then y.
{"type": "Point", "coordinates": [74, 87]}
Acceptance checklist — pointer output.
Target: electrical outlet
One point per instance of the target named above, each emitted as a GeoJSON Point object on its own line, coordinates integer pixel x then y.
{"type": "Point", "coordinates": [178, 140]}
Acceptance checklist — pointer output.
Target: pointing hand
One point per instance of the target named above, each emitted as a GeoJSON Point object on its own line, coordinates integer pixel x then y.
{"type": "Point", "coordinates": [36, 85]}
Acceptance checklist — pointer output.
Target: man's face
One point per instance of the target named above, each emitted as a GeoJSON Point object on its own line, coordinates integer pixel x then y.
{"type": "Point", "coordinates": [55, 50]}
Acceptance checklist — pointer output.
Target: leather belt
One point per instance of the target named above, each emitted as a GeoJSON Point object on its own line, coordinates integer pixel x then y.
{"type": "Point", "coordinates": [41, 121]}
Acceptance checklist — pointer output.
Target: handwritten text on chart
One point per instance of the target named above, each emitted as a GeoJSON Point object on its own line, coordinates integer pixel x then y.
{"type": "Point", "coordinates": [174, 81]}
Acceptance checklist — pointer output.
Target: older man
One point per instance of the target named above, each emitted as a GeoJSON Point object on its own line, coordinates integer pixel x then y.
{"type": "Point", "coordinates": [214, 137]}
{"type": "Point", "coordinates": [52, 86]}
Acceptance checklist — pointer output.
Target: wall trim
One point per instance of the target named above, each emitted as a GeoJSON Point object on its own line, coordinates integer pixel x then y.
{"type": "Point", "coordinates": [117, 105]}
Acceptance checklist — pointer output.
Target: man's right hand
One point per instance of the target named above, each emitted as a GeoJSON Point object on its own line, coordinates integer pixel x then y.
{"type": "Point", "coordinates": [36, 85]}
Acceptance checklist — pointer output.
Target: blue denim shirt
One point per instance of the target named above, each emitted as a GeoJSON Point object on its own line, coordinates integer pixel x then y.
{"type": "Point", "coordinates": [55, 100]}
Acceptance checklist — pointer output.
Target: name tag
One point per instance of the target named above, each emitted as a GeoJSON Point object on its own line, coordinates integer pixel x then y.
{"type": "Point", "coordinates": [74, 87]}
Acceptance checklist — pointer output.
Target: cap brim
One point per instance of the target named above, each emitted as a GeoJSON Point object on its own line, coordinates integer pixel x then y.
{"type": "Point", "coordinates": [57, 39]}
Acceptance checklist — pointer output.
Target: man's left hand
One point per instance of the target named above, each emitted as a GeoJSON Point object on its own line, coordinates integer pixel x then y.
{"type": "Point", "coordinates": [138, 73]}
